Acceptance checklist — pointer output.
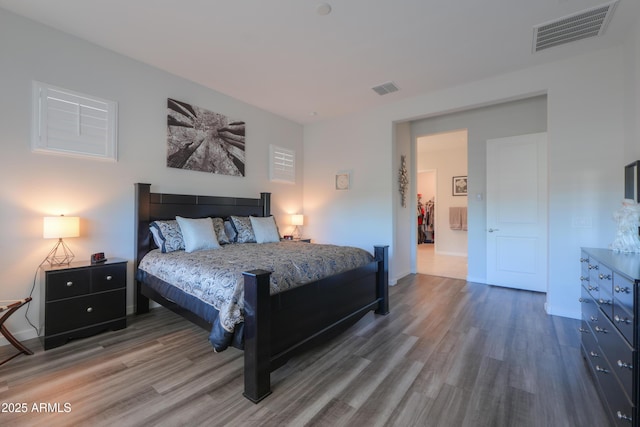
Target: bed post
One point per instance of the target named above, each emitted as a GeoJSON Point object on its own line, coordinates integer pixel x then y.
{"type": "Point", "coordinates": [141, 247]}
{"type": "Point", "coordinates": [382, 278]}
{"type": "Point", "coordinates": [257, 335]}
{"type": "Point", "coordinates": [265, 198]}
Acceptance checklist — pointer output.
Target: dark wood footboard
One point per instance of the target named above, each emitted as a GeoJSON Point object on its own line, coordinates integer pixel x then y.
{"type": "Point", "coordinates": [280, 326]}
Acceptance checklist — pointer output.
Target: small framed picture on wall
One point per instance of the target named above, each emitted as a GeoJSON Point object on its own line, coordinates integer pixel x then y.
{"type": "Point", "coordinates": [343, 181]}
{"type": "Point", "coordinates": [459, 185]}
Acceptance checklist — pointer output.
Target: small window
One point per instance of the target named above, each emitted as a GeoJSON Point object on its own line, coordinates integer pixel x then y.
{"type": "Point", "coordinates": [282, 164]}
{"type": "Point", "coordinates": [70, 123]}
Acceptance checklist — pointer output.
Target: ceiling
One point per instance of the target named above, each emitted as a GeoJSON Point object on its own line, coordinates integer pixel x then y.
{"type": "Point", "coordinates": [282, 56]}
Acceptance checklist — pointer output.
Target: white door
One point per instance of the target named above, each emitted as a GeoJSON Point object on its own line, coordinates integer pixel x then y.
{"type": "Point", "coordinates": [517, 212]}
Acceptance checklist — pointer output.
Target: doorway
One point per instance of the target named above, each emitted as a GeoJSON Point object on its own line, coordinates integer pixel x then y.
{"type": "Point", "coordinates": [442, 247]}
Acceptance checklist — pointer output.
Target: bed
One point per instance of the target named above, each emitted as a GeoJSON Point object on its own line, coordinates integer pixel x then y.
{"type": "Point", "coordinates": [275, 326]}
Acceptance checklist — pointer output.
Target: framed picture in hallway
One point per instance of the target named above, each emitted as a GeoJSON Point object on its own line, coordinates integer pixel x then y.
{"type": "Point", "coordinates": [459, 185]}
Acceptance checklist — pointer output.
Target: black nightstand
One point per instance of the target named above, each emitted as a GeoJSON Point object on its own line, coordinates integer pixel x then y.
{"type": "Point", "coordinates": [82, 299]}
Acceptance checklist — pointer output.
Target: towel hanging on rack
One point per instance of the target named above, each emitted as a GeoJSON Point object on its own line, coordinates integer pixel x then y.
{"type": "Point", "coordinates": [458, 218]}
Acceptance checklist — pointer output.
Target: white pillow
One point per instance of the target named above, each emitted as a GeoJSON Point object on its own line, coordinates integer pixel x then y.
{"type": "Point", "coordinates": [198, 234]}
{"type": "Point", "coordinates": [265, 229]}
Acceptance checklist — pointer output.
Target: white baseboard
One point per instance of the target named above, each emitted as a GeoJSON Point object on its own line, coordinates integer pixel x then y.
{"type": "Point", "coordinates": [24, 335]}
{"type": "Point", "coordinates": [562, 312]}
{"type": "Point", "coordinates": [480, 280]}
{"type": "Point", "coordinates": [461, 254]}
{"type": "Point", "coordinates": [394, 280]}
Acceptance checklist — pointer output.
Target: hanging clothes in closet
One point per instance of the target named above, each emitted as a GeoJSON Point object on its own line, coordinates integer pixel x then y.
{"type": "Point", "coordinates": [422, 237]}
{"type": "Point", "coordinates": [430, 235]}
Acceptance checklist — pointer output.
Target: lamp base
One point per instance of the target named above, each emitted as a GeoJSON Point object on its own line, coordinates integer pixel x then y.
{"type": "Point", "coordinates": [60, 255]}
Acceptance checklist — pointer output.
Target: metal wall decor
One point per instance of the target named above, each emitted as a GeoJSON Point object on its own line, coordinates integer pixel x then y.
{"type": "Point", "coordinates": [404, 181]}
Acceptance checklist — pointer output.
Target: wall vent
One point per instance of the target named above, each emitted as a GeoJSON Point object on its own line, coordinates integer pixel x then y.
{"type": "Point", "coordinates": [581, 25]}
{"type": "Point", "coordinates": [385, 88]}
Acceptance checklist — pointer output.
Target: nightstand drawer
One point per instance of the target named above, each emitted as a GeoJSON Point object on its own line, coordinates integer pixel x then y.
{"type": "Point", "coordinates": [66, 284]}
{"type": "Point", "coordinates": [108, 277]}
{"type": "Point", "coordinates": [75, 313]}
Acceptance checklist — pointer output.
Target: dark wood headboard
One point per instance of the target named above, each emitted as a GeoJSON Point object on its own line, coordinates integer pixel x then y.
{"type": "Point", "coordinates": [152, 206]}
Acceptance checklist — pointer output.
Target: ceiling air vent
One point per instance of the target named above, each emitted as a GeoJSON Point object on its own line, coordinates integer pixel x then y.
{"type": "Point", "coordinates": [385, 88]}
{"type": "Point", "coordinates": [581, 25]}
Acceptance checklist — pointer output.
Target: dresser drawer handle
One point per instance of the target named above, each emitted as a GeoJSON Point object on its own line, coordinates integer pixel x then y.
{"type": "Point", "coordinates": [604, 301]}
{"type": "Point", "coordinates": [620, 290]}
{"type": "Point", "coordinates": [601, 330]}
{"type": "Point", "coordinates": [593, 354]}
{"type": "Point", "coordinates": [593, 267]}
{"type": "Point", "coordinates": [584, 259]}
{"type": "Point", "coordinates": [622, 416]}
{"type": "Point", "coordinates": [593, 318]}
{"type": "Point", "coordinates": [604, 276]}
{"type": "Point", "coordinates": [592, 288]}
{"type": "Point", "coordinates": [583, 300]}
{"type": "Point", "coordinates": [69, 283]}
{"type": "Point", "coordinates": [602, 370]}
{"type": "Point", "coordinates": [621, 365]}
{"type": "Point", "coordinates": [89, 309]}
{"type": "Point", "coordinates": [583, 330]}
{"type": "Point", "coordinates": [621, 319]}
{"type": "Point", "coordinates": [582, 278]}
{"type": "Point", "coordinates": [109, 277]}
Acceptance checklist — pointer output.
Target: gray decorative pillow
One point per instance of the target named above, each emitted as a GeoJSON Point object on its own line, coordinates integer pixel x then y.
{"type": "Point", "coordinates": [243, 229]}
{"type": "Point", "coordinates": [198, 234]}
{"type": "Point", "coordinates": [265, 229]}
{"type": "Point", "coordinates": [230, 231]}
{"type": "Point", "coordinates": [218, 226]}
{"type": "Point", "coordinates": [167, 235]}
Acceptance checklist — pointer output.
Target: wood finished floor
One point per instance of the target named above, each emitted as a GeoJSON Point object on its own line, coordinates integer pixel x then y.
{"type": "Point", "coordinates": [451, 353]}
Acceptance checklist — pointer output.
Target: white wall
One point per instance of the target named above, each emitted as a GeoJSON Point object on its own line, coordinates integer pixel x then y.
{"type": "Point", "coordinates": [427, 185]}
{"type": "Point", "coordinates": [632, 82]}
{"type": "Point", "coordinates": [586, 100]}
{"type": "Point", "coordinates": [102, 193]}
{"type": "Point", "coordinates": [403, 217]}
{"type": "Point", "coordinates": [361, 216]}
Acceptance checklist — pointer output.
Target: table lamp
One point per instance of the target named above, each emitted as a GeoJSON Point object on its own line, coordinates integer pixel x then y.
{"type": "Point", "coordinates": [59, 227]}
{"type": "Point", "coordinates": [297, 220]}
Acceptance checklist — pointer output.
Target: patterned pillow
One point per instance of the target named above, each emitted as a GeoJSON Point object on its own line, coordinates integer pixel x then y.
{"type": "Point", "coordinates": [243, 229]}
{"type": "Point", "coordinates": [218, 226]}
{"type": "Point", "coordinates": [167, 235]}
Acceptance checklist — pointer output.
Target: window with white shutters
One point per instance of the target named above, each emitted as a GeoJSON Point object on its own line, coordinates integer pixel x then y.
{"type": "Point", "coordinates": [282, 164]}
{"type": "Point", "coordinates": [71, 123]}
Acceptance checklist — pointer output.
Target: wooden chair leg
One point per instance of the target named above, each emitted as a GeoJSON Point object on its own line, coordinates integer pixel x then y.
{"type": "Point", "coordinates": [5, 332]}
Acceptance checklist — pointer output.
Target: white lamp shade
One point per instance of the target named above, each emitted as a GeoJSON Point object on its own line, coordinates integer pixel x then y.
{"type": "Point", "coordinates": [297, 219]}
{"type": "Point", "coordinates": [57, 227]}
